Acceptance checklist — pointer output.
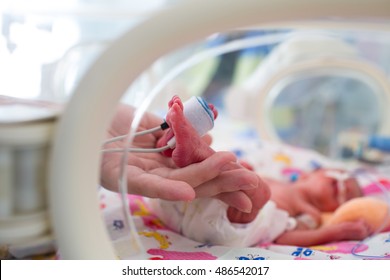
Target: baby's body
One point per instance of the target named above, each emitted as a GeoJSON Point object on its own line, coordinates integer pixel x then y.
{"type": "Point", "coordinates": [210, 220]}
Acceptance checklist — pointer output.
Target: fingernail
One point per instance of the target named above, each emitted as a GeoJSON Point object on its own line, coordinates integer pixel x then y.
{"type": "Point", "coordinates": [248, 187]}
{"type": "Point", "coordinates": [244, 210]}
{"type": "Point", "coordinates": [229, 166]}
{"type": "Point", "coordinates": [249, 210]}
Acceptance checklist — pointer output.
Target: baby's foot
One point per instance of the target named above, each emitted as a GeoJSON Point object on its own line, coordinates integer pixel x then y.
{"type": "Point", "coordinates": [190, 148]}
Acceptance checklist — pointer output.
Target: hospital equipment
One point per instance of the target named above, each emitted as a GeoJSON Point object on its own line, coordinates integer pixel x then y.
{"type": "Point", "coordinates": [125, 59]}
{"type": "Point", "coordinates": [197, 112]}
{"type": "Point", "coordinates": [372, 148]}
{"type": "Point", "coordinates": [379, 142]}
{"type": "Point", "coordinates": [303, 72]}
{"type": "Point", "coordinates": [26, 131]}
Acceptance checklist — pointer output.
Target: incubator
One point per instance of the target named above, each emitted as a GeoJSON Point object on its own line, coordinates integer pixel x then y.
{"type": "Point", "coordinates": [316, 78]}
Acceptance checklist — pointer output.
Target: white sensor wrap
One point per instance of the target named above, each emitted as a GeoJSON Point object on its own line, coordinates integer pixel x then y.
{"type": "Point", "coordinates": [198, 113]}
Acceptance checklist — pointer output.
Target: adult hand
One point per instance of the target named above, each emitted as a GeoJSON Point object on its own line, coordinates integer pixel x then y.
{"type": "Point", "coordinates": [155, 175]}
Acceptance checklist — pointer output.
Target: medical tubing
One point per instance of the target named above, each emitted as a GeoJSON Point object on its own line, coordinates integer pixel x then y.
{"type": "Point", "coordinates": [143, 132]}
{"type": "Point", "coordinates": [123, 187]}
{"type": "Point", "coordinates": [386, 193]}
{"type": "Point", "coordinates": [137, 150]}
{"type": "Point", "coordinates": [126, 205]}
{"type": "Point", "coordinates": [197, 112]}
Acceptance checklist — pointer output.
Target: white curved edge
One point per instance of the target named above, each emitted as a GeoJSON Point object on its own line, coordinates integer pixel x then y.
{"type": "Point", "coordinates": [74, 176]}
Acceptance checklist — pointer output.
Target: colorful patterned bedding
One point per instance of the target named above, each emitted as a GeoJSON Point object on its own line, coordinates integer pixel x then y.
{"type": "Point", "coordinates": [278, 161]}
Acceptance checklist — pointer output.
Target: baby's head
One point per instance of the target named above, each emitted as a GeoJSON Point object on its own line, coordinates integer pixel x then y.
{"type": "Point", "coordinates": [328, 189]}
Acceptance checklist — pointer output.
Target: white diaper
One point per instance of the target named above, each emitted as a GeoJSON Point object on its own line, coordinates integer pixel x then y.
{"type": "Point", "coordinates": [205, 220]}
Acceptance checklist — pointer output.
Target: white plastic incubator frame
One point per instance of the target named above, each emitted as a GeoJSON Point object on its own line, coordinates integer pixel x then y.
{"type": "Point", "coordinates": [75, 162]}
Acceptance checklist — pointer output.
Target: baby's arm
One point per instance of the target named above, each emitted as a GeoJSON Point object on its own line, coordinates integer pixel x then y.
{"type": "Point", "coordinates": [357, 230]}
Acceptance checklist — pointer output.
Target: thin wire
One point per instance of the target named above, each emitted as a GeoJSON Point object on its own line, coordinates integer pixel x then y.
{"type": "Point", "coordinates": [379, 230]}
{"type": "Point", "coordinates": [137, 150]}
{"type": "Point", "coordinates": [135, 238]}
{"type": "Point", "coordinates": [140, 133]}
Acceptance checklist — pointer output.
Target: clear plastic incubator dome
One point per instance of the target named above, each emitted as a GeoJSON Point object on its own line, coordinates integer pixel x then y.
{"type": "Point", "coordinates": [289, 101]}
{"type": "Point", "coordinates": [291, 97]}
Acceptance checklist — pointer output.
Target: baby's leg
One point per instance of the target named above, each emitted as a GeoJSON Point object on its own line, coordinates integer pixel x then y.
{"type": "Point", "coordinates": [190, 148]}
{"type": "Point", "coordinates": [357, 230]}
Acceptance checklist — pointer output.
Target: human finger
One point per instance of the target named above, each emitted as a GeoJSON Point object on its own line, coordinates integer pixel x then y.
{"type": "Point", "coordinates": [154, 186]}
{"type": "Point", "coordinates": [228, 181]}
{"type": "Point", "coordinates": [238, 200]}
{"type": "Point", "coordinates": [198, 174]}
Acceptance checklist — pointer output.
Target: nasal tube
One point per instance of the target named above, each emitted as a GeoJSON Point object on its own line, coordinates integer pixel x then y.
{"type": "Point", "coordinates": [198, 113]}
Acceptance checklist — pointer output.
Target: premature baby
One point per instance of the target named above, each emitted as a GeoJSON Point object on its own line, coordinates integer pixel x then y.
{"type": "Point", "coordinates": [210, 220]}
